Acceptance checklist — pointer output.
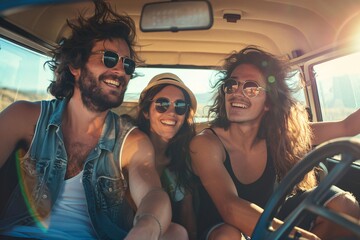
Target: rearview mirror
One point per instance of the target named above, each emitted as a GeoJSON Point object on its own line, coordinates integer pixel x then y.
{"type": "Point", "coordinates": [176, 16]}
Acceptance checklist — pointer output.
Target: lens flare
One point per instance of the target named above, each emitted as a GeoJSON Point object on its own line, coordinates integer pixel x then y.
{"type": "Point", "coordinates": [27, 181]}
{"type": "Point", "coordinates": [350, 30]}
{"type": "Point", "coordinates": [271, 79]}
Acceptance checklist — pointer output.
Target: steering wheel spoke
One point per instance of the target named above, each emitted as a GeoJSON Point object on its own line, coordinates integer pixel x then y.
{"type": "Point", "coordinates": [349, 150]}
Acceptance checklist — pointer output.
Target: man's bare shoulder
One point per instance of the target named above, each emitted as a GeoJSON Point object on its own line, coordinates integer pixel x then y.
{"type": "Point", "coordinates": [207, 152]}
{"type": "Point", "coordinates": [17, 123]}
{"type": "Point", "coordinates": [21, 112]}
{"type": "Point", "coordinates": [205, 137]}
{"type": "Point", "coordinates": [23, 106]}
{"type": "Point", "coordinates": [206, 144]}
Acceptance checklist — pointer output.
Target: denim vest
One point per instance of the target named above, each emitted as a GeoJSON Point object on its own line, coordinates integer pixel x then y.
{"type": "Point", "coordinates": [41, 173]}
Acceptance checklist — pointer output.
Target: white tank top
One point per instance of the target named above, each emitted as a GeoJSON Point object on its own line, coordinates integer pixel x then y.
{"type": "Point", "coordinates": [69, 218]}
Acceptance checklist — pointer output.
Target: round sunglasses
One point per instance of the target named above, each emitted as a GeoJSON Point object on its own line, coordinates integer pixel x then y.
{"type": "Point", "coordinates": [249, 88]}
{"type": "Point", "coordinates": [162, 104]}
{"type": "Point", "coordinates": [111, 59]}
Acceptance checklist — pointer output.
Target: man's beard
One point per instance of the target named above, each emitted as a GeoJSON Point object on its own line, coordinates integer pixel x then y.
{"type": "Point", "coordinates": [92, 95]}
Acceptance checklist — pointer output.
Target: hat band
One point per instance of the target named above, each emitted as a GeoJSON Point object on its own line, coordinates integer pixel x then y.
{"type": "Point", "coordinates": [167, 78]}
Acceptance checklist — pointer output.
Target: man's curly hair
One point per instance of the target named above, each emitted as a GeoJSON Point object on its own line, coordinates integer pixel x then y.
{"type": "Point", "coordinates": [285, 126]}
{"type": "Point", "coordinates": [75, 51]}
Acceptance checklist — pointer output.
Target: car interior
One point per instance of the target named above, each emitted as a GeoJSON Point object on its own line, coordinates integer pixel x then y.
{"type": "Point", "coordinates": [319, 38]}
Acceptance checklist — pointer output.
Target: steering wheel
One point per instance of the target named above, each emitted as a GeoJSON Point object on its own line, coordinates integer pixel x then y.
{"type": "Point", "coordinates": [349, 150]}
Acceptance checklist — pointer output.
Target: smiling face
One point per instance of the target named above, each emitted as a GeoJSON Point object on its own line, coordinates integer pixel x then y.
{"type": "Point", "coordinates": [240, 108]}
{"type": "Point", "coordinates": [165, 125]}
{"type": "Point", "coordinates": [102, 88]}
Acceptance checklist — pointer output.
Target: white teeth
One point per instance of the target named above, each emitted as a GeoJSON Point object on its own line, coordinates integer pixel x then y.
{"type": "Point", "coordinates": [112, 82]}
{"type": "Point", "coordinates": [168, 122]}
{"type": "Point", "coordinates": [239, 105]}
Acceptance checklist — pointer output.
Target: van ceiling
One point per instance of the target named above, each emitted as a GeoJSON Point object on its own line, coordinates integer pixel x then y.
{"type": "Point", "coordinates": [288, 28]}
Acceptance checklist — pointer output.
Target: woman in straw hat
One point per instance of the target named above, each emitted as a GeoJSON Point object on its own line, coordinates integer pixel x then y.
{"type": "Point", "coordinates": [166, 111]}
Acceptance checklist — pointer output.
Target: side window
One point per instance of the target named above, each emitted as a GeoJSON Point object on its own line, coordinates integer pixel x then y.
{"type": "Point", "coordinates": [338, 83]}
{"type": "Point", "coordinates": [22, 74]}
{"type": "Point", "coordinates": [295, 82]}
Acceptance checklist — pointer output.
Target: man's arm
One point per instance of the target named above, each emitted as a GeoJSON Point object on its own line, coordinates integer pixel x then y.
{"type": "Point", "coordinates": [207, 156]}
{"type": "Point", "coordinates": [17, 122]}
{"type": "Point", "coordinates": [153, 214]}
{"type": "Point", "coordinates": [324, 131]}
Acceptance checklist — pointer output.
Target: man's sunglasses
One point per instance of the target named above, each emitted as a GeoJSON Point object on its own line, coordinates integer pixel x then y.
{"type": "Point", "coordinates": [111, 59]}
{"type": "Point", "coordinates": [163, 104]}
{"type": "Point", "coordinates": [249, 88]}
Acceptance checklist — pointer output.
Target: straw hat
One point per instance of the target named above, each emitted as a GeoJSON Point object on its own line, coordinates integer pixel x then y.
{"type": "Point", "coordinates": [172, 79]}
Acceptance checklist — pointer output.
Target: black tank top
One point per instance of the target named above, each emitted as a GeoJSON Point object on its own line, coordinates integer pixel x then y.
{"type": "Point", "coordinates": [257, 192]}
